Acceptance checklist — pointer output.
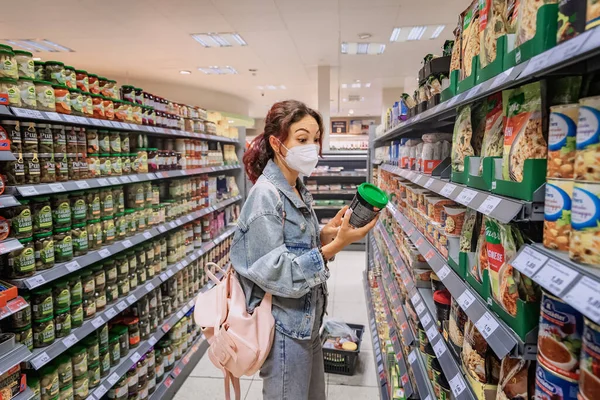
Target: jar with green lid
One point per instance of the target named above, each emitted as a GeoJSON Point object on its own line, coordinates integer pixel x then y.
{"type": "Point", "coordinates": [79, 236]}
{"type": "Point", "coordinates": [105, 164]}
{"type": "Point", "coordinates": [103, 335]}
{"type": "Point", "coordinates": [61, 211]}
{"type": "Point", "coordinates": [8, 66]}
{"type": "Point", "coordinates": [125, 147]}
{"type": "Point", "coordinates": [11, 88]}
{"type": "Point", "coordinates": [123, 334]}
{"type": "Point", "coordinates": [76, 101]}
{"type": "Point", "coordinates": [89, 307]}
{"type": "Point", "coordinates": [125, 164]}
{"type": "Point", "coordinates": [21, 221]}
{"type": "Point", "coordinates": [43, 244]}
{"type": "Point", "coordinates": [159, 366]}
{"type": "Point", "coordinates": [65, 370]}
{"type": "Point", "coordinates": [88, 104]}
{"type": "Point", "coordinates": [141, 218]}
{"type": "Point", "coordinates": [112, 292]}
{"type": "Point", "coordinates": [33, 383]}
{"type": "Point", "coordinates": [63, 244]}
{"type": "Point", "coordinates": [131, 221]}
{"type": "Point", "coordinates": [27, 89]}
{"type": "Point", "coordinates": [42, 305]}
{"type": "Point", "coordinates": [94, 231]}
{"type": "Point", "coordinates": [49, 382]}
{"type": "Point", "coordinates": [111, 271]}
{"type": "Point", "coordinates": [133, 279]}
{"type": "Point", "coordinates": [103, 141]}
{"type": "Point", "coordinates": [20, 263]}
{"type": "Point", "coordinates": [93, 203]}
{"type": "Point", "coordinates": [24, 335]}
{"type": "Point", "coordinates": [22, 317]}
{"type": "Point", "coordinates": [93, 349]}
{"type": "Point", "coordinates": [116, 164]}
{"type": "Point", "coordinates": [100, 298]}
{"type": "Point", "coordinates": [75, 288]}
{"type": "Point", "coordinates": [123, 286]}
{"type": "Point", "coordinates": [43, 332]}
{"type": "Point", "coordinates": [118, 198]}
{"type": "Point", "coordinates": [120, 391]}
{"type": "Point", "coordinates": [168, 353]}
{"type": "Point", "coordinates": [99, 276]}
{"type": "Point", "coordinates": [93, 165]}
{"type": "Point", "coordinates": [79, 360]}
{"type": "Point", "coordinates": [114, 349]}
{"type": "Point", "coordinates": [62, 322]}
{"type": "Point", "coordinates": [66, 392]}
{"type": "Point", "coordinates": [61, 294]}
{"type": "Point", "coordinates": [41, 214]}
{"type": "Point", "coordinates": [88, 283]}
{"type": "Point", "coordinates": [107, 202]}
{"type": "Point", "coordinates": [142, 275]}
{"type": "Point", "coordinates": [104, 361]}
{"type": "Point", "coordinates": [81, 387]}
{"type": "Point", "coordinates": [120, 225]}
{"type": "Point", "coordinates": [76, 314]}
{"type": "Point", "coordinates": [115, 142]}
{"type": "Point", "coordinates": [78, 207]}
{"type": "Point", "coordinates": [109, 231]}
{"type": "Point", "coordinates": [25, 66]}
{"type": "Point", "coordinates": [54, 71]}
{"type": "Point", "coordinates": [70, 77]}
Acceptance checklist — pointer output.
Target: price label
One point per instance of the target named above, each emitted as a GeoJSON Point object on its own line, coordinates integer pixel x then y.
{"type": "Point", "coordinates": [447, 189]}
{"type": "Point", "coordinates": [135, 357]}
{"type": "Point", "coordinates": [180, 315]}
{"type": "Point", "coordinates": [529, 261]}
{"type": "Point", "coordinates": [40, 360]}
{"type": "Point", "coordinates": [103, 182]}
{"type": "Point", "coordinates": [410, 231]}
{"type": "Point", "coordinates": [56, 187]}
{"type": "Point", "coordinates": [70, 340]}
{"type": "Point", "coordinates": [412, 357]}
{"type": "Point", "coordinates": [443, 272]}
{"type": "Point", "coordinates": [54, 116]}
{"type": "Point", "coordinates": [501, 78]}
{"type": "Point", "coordinates": [116, 124]}
{"type": "Point", "coordinates": [420, 308]}
{"type": "Point", "coordinates": [439, 348]}
{"type": "Point", "coordinates": [72, 266]}
{"type": "Point", "coordinates": [134, 178]}
{"type": "Point", "coordinates": [72, 119]}
{"type": "Point", "coordinates": [26, 113]}
{"type": "Point", "coordinates": [104, 253]}
{"type": "Point", "coordinates": [170, 273]}
{"type": "Point", "coordinates": [585, 297]}
{"type": "Point", "coordinates": [432, 332]}
{"type": "Point", "coordinates": [35, 281]}
{"type": "Point", "coordinates": [28, 191]}
{"type": "Point", "coordinates": [114, 181]}
{"type": "Point", "coordinates": [113, 379]}
{"type": "Point", "coordinates": [97, 322]}
{"type": "Point", "coordinates": [94, 121]}
{"type": "Point", "coordinates": [415, 299]}
{"type": "Point", "coordinates": [152, 341]}
{"type": "Point", "coordinates": [454, 100]}
{"type": "Point", "coordinates": [149, 286]}
{"type": "Point", "coordinates": [176, 371]}
{"type": "Point", "coordinates": [429, 182]}
{"type": "Point", "coordinates": [178, 221]}
{"type": "Point", "coordinates": [162, 229]}
{"type": "Point", "coordinates": [110, 313]}
{"type": "Point", "coordinates": [555, 277]}
{"type": "Point", "coordinates": [428, 397]}
{"type": "Point", "coordinates": [106, 123]}
{"type": "Point", "coordinates": [163, 277]}
{"type": "Point", "coordinates": [474, 92]}
{"type": "Point", "coordinates": [100, 392]}
{"type": "Point", "coordinates": [425, 319]}
{"type": "Point", "coordinates": [457, 384]}
{"type": "Point", "coordinates": [419, 241]}
{"type": "Point", "coordinates": [125, 179]}
{"type": "Point", "coordinates": [172, 225]}
{"type": "Point", "coordinates": [166, 327]}
{"type": "Point", "coordinates": [121, 305]}
{"type": "Point", "coordinates": [429, 255]}
{"type": "Point", "coordinates": [131, 299]}
{"type": "Point", "coordinates": [489, 205]}
{"type": "Point", "coordinates": [466, 196]}
{"type": "Point", "coordinates": [82, 184]}
{"type": "Point", "coordinates": [486, 325]}
{"type": "Point", "coordinates": [127, 243]}
{"type": "Point", "coordinates": [147, 235]}
{"type": "Point", "coordinates": [465, 299]}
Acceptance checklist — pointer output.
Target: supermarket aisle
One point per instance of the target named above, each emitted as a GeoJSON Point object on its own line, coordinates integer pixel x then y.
{"type": "Point", "coordinates": [346, 303]}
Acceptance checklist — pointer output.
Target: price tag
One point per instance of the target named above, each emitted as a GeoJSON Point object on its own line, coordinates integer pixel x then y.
{"type": "Point", "coordinates": [172, 225]}
{"type": "Point", "coordinates": [121, 305]}
{"type": "Point", "coordinates": [104, 253]}
{"type": "Point", "coordinates": [453, 101]}
{"type": "Point", "coordinates": [178, 221]}
{"type": "Point", "coordinates": [149, 286]}
{"type": "Point", "coordinates": [114, 181]}
{"type": "Point", "coordinates": [429, 255]}
{"type": "Point", "coordinates": [125, 179]}
{"type": "Point", "coordinates": [134, 178]}
{"type": "Point", "coordinates": [170, 273]}
{"type": "Point", "coordinates": [465, 299]}
{"type": "Point", "coordinates": [162, 229]}
{"type": "Point", "coordinates": [474, 92]}
{"type": "Point", "coordinates": [98, 322]}
{"type": "Point", "coordinates": [420, 308]}
{"type": "Point", "coordinates": [163, 277]}
{"type": "Point", "coordinates": [466, 196]}
{"type": "Point", "coordinates": [110, 313]}
{"type": "Point", "coordinates": [419, 241]}
{"type": "Point", "coordinates": [443, 272]}
{"type": "Point", "coordinates": [147, 235]}
{"type": "Point", "coordinates": [94, 121]}
{"type": "Point", "coordinates": [486, 325]}
{"type": "Point", "coordinates": [28, 191]}
{"type": "Point", "coordinates": [152, 341]}
{"type": "Point", "coordinates": [116, 124]}
{"type": "Point", "coordinates": [555, 277]}
{"type": "Point", "coordinates": [101, 391]}
{"type": "Point", "coordinates": [56, 187]}
{"type": "Point", "coordinates": [166, 327]}
{"type": "Point", "coordinates": [24, 112]}
{"type": "Point", "coordinates": [489, 205]}
{"type": "Point", "coordinates": [103, 182]}
{"type": "Point", "coordinates": [72, 266]}
{"type": "Point", "coordinates": [585, 297]}
{"type": "Point", "coordinates": [72, 119]}
{"type": "Point", "coordinates": [439, 348]}
{"type": "Point", "coordinates": [415, 299]}
{"type": "Point", "coordinates": [70, 340]}
{"type": "Point", "coordinates": [529, 261]}
{"type": "Point", "coordinates": [429, 182]}
{"type": "Point", "coordinates": [412, 357]}
{"type": "Point", "coordinates": [176, 371]}
{"type": "Point", "coordinates": [54, 116]}
{"type": "Point", "coordinates": [113, 379]}
{"type": "Point", "coordinates": [378, 358]}
{"type": "Point", "coordinates": [457, 384]}
{"type": "Point", "coordinates": [425, 319]}
{"type": "Point", "coordinates": [127, 243]}
{"type": "Point", "coordinates": [447, 189]}
{"type": "Point", "coordinates": [131, 299]}
{"type": "Point", "coordinates": [501, 78]}
{"type": "Point", "coordinates": [106, 123]}
{"type": "Point", "coordinates": [35, 281]}
{"type": "Point", "coordinates": [432, 332]}
{"type": "Point", "coordinates": [135, 357]}
{"type": "Point", "coordinates": [180, 315]}
{"type": "Point", "coordinates": [82, 184]}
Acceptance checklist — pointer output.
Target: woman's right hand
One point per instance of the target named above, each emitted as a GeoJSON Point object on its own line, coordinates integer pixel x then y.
{"type": "Point", "coordinates": [347, 234]}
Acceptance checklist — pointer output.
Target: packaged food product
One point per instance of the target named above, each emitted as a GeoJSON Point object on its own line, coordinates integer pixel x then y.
{"type": "Point", "coordinates": [514, 379]}
{"type": "Point", "coordinates": [550, 385]}
{"type": "Point", "coordinates": [87, 104]}
{"type": "Point", "coordinates": [562, 141]}
{"type": "Point", "coordinates": [590, 359]}
{"type": "Point", "coordinates": [22, 318]}
{"type": "Point", "coordinates": [461, 139]}
{"type": "Point", "coordinates": [38, 69]}
{"type": "Point", "coordinates": [63, 244]}
{"type": "Point", "coordinates": [367, 203]}
{"type": "Point", "coordinates": [8, 63]}
{"type": "Point", "coordinates": [492, 25]}
{"type": "Point", "coordinates": [49, 382]}
{"type": "Point", "coordinates": [493, 137]}
{"type": "Point", "coordinates": [44, 96]}
{"type": "Point", "coordinates": [54, 72]}
{"type": "Point", "coordinates": [82, 81]}
{"type": "Point", "coordinates": [478, 359]}
{"type": "Point", "coordinates": [557, 214]}
{"type": "Point", "coordinates": [584, 245]}
{"type": "Point", "coordinates": [59, 138]}
{"type": "Point", "coordinates": [27, 93]}
{"type": "Point", "coordinates": [98, 106]}
{"type": "Point", "coordinates": [11, 88]}
{"type": "Point", "coordinates": [70, 77]}
{"type": "Point", "coordinates": [76, 314]}
{"type": "Point", "coordinates": [62, 323]}
{"type": "Point", "coordinates": [44, 250]}
{"type": "Point", "coordinates": [470, 37]}
{"type": "Point", "coordinates": [45, 138]}
{"type": "Point", "coordinates": [587, 166]}
{"type": "Point", "coordinates": [76, 100]}
{"type": "Point", "coordinates": [523, 133]}
{"type": "Point", "coordinates": [94, 84]}
{"type": "Point", "coordinates": [25, 66]}
{"type": "Point", "coordinates": [81, 387]}
{"type": "Point", "coordinates": [571, 19]}
{"type": "Point", "coordinates": [62, 99]}
{"type": "Point", "coordinates": [43, 332]}
{"type": "Point", "coordinates": [109, 108]}
{"type": "Point", "coordinates": [468, 237]}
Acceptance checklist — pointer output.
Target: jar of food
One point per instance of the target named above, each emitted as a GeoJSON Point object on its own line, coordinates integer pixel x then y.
{"type": "Point", "coordinates": [122, 332]}
{"type": "Point", "coordinates": [55, 72]}
{"type": "Point", "coordinates": [25, 66]}
{"type": "Point", "coordinates": [67, 392]}
{"type": "Point", "coordinates": [44, 96]}
{"type": "Point", "coordinates": [128, 93]}
{"type": "Point", "coordinates": [38, 69]}
{"type": "Point", "coordinates": [115, 142]}
{"type": "Point", "coordinates": [32, 168]}
{"type": "Point", "coordinates": [62, 167]}
{"type": "Point", "coordinates": [61, 294]}
{"type": "Point", "coordinates": [104, 361]}
{"type": "Point", "coordinates": [117, 166]}
{"type": "Point", "coordinates": [129, 111]}
{"type": "Point", "coordinates": [93, 83]}
{"type": "Point", "coordinates": [47, 168]}
{"type": "Point", "coordinates": [123, 287]}
{"type": "Point", "coordinates": [79, 360]}
{"type": "Point", "coordinates": [20, 219]}
{"type": "Point", "coordinates": [13, 131]}
{"type": "Point", "coordinates": [105, 164]}
{"type": "Point", "coordinates": [141, 218]}
{"type": "Point", "coordinates": [79, 235]}
{"type": "Point", "coordinates": [100, 298]}
{"type": "Point", "coordinates": [98, 106]}
{"type": "Point", "coordinates": [27, 93]}
{"type": "Point", "coordinates": [11, 88]}
{"type": "Point", "coordinates": [42, 303]}
{"type": "Point", "coordinates": [133, 330]}
{"type": "Point", "coordinates": [93, 165]}
{"type": "Point", "coordinates": [114, 349]}
{"type": "Point", "coordinates": [76, 102]}
{"type": "Point", "coordinates": [120, 225]}
{"type": "Point", "coordinates": [120, 391]}
{"type": "Point", "coordinates": [120, 110]}
{"type": "Point", "coordinates": [44, 250]}
{"type": "Point", "coordinates": [99, 276]}
{"type": "Point", "coordinates": [159, 365]}
{"type": "Point", "coordinates": [8, 63]}
{"type": "Point", "coordinates": [24, 336]}
{"type": "Point", "coordinates": [65, 370]}
{"type": "Point", "coordinates": [104, 141]}
{"type": "Point", "coordinates": [93, 203]}
{"type": "Point", "coordinates": [133, 278]}
{"type": "Point", "coordinates": [61, 210]}
{"type": "Point", "coordinates": [112, 292]}
{"type": "Point", "coordinates": [77, 314]}
{"type": "Point", "coordinates": [75, 288]}
{"type": "Point", "coordinates": [82, 81]}
{"type": "Point", "coordinates": [168, 354]}
{"type": "Point", "coordinates": [49, 382]}
{"type": "Point", "coordinates": [81, 387]}
{"type": "Point", "coordinates": [70, 77]}
{"type": "Point", "coordinates": [144, 328]}
{"type": "Point", "coordinates": [43, 332]}
{"type": "Point", "coordinates": [63, 244]}
{"type": "Point", "coordinates": [109, 108]}
{"type": "Point", "coordinates": [87, 104]}
{"type": "Point", "coordinates": [22, 318]}
{"type": "Point", "coordinates": [142, 160]}
{"type": "Point", "coordinates": [62, 99]}
{"type": "Point", "coordinates": [107, 204]}
{"type": "Point", "coordinates": [73, 166]}
{"type": "Point", "coordinates": [125, 164]}
{"type": "Point", "coordinates": [132, 381]}
{"type": "Point", "coordinates": [62, 323]}
{"type": "Point", "coordinates": [89, 307]}
{"type": "Point", "coordinates": [136, 114]}
{"type": "Point", "coordinates": [93, 349]}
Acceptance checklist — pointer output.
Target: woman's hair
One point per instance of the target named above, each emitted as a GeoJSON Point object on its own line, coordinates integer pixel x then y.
{"type": "Point", "coordinates": [279, 119]}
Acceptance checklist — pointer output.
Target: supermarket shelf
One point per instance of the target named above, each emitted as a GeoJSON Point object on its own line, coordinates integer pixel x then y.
{"type": "Point", "coordinates": [60, 270]}
{"type": "Point", "coordinates": [379, 366]}
{"type": "Point", "coordinates": [8, 200]}
{"type": "Point", "coordinates": [577, 49]}
{"type": "Point", "coordinates": [499, 207]}
{"type": "Point", "coordinates": [16, 356]}
{"type": "Point", "coordinates": [27, 394]}
{"type": "Point", "coordinates": [341, 174]}
{"type": "Point", "coordinates": [182, 369]}
{"type": "Point", "coordinates": [348, 192]}
{"type": "Point", "coordinates": [8, 245]}
{"type": "Point", "coordinates": [6, 155]}
{"type": "Point", "coordinates": [41, 357]}
{"type": "Point", "coordinates": [576, 284]}
{"type": "Point", "coordinates": [498, 335]}
{"type": "Point", "coordinates": [195, 171]}
{"type": "Point", "coordinates": [16, 304]}
{"type": "Point", "coordinates": [52, 117]}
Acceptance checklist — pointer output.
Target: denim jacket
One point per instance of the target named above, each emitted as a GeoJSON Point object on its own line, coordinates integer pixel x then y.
{"type": "Point", "coordinates": [275, 249]}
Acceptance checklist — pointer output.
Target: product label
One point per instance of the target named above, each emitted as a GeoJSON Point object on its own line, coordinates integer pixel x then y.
{"type": "Point", "coordinates": [108, 204]}
{"type": "Point", "coordinates": [587, 127]}
{"type": "Point", "coordinates": [28, 95]}
{"type": "Point", "coordinates": [46, 254]}
{"type": "Point", "coordinates": [59, 76]}
{"type": "Point", "coordinates": [33, 166]}
{"type": "Point", "coordinates": [62, 213]}
{"type": "Point", "coordinates": [585, 212]}
{"type": "Point", "coordinates": [495, 250]}
{"type": "Point", "coordinates": [79, 210]}
{"type": "Point", "coordinates": [95, 206]}
{"type": "Point", "coordinates": [14, 96]}
{"type": "Point", "coordinates": [557, 204]}
{"type": "Point", "coordinates": [562, 131]}
{"type": "Point", "coordinates": [64, 248]}
{"type": "Point", "coordinates": [22, 223]}
{"type": "Point", "coordinates": [30, 135]}
{"type": "Point", "coordinates": [80, 242]}
{"type": "Point", "coordinates": [77, 316]}
{"type": "Point", "coordinates": [25, 262]}
{"type": "Point", "coordinates": [81, 389]}
{"type": "Point", "coordinates": [65, 325]}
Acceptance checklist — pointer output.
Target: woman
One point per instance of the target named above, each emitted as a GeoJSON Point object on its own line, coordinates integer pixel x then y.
{"type": "Point", "coordinates": [279, 248]}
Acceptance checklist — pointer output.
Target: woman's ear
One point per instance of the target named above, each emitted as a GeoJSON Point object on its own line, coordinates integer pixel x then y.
{"type": "Point", "coordinates": [275, 144]}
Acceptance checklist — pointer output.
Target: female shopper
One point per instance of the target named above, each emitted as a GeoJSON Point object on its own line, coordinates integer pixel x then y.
{"type": "Point", "coordinates": [279, 248]}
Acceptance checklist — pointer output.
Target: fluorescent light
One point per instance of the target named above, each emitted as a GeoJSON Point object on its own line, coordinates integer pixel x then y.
{"type": "Point", "coordinates": [363, 48]}
{"type": "Point", "coordinates": [353, 48]}
{"type": "Point", "coordinates": [38, 45]}
{"type": "Point", "coordinates": [351, 111]}
{"type": "Point", "coordinates": [344, 99]}
{"type": "Point", "coordinates": [271, 87]}
{"type": "Point", "coordinates": [282, 87]}
{"type": "Point", "coordinates": [416, 33]}
{"type": "Point", "coordinates": [356, 86]}
{"type": "Point", "coordinates": [411, 33]}
{"type": "Point", "coordinates": [37, 59]}
{"type": "Point", "coordinates": [395, 34]}
{"type": "Point", "coordinates": [223, 39]}
{"type": "Point", "coordinates": [344, 85]}
{"type": "Point", "coordinates": [216, 70]}
{"type": "Point", "coordinates": [57, 46]}
{"type": "Point", "coordinates": [437, 31]}
{"type": "Point", "coordinates": [344, 48]}
{"type": "Point", "coordinates": [201, 39]}
{"type": "Point", "coordinates": [185, 72]}
{"type": "Point", "coordinates": [368, 85]}
{"type": "Point", "coordinates": [260, 87]}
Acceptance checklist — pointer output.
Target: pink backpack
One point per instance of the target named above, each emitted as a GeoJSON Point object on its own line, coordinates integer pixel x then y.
{"type": "Point", "coordinates": [239, 342]}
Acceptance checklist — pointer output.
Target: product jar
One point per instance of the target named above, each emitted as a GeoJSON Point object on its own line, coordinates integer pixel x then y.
{"type": "Point", "coordinates": [367, 203]}
{"type": "Point", "coordinates": [43, 332]}
{"type": "Point", "coordinates": [44, 96]}
{"type": "Point", "coordinates": [54, 72]}
{"type": "Point", "coordinates": [79, 235]}
{"type": "Point", "coordinates": [82, 81]}
{"type": "Point", "coordinates": [98, 106]}
{"type": "Point", "coordinates": [27, 93]}
{"type": "Point", "coordinates": [76, 100]}
{"type": "Point", "coordinates": [25, 66]}
{"type": "Point", "coordinates": [62, 99]}
{"type": "Point", "coordinates": [63, 244]}
{"type": "Point", "coordinates": [44, 250]}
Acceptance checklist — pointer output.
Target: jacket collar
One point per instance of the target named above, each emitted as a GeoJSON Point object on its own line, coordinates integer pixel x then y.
{"type": "Point", "coordinates": [276, 177]}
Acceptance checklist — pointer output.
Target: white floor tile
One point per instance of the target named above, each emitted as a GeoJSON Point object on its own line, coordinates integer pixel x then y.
{"type": "Point", "coordinates": [353, 312]}
{"type": "Point", "coordinates": [364, 374]}
{"type": "Point", "coordinates": [255, 391]}
{"type": "Point", "coordinates": [338, 392]}
{"type": "Point", "coordinates": [207, 388]}
{"type": "Point", "coordinates": [206, 369]}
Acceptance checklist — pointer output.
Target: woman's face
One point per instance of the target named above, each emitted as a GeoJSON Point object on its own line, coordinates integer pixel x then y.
{"type": "Point", "coordinates": [305, 131]}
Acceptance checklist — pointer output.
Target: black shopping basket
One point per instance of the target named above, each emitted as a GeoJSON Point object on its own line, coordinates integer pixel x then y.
{"type": "Point", "coordinates": [342, 362]}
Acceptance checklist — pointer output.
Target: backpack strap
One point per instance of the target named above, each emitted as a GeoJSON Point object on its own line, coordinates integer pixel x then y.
{"type": "Point", "coordinates": [231, 380]}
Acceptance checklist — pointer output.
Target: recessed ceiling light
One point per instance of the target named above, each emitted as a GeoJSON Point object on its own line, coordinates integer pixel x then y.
{"type": "Point", "coordinates": [355, 86]}
{"type": "Point", "coordinates": [271, 87]}
{"type": "Point", "coordinates": [351, 111]}
{"type": "Point", "coordinates": [37, 59]}
{"type": "Point", "coordinates": [231, 121]}
{"type": "Point", "coordinates": [416, 33]}
{"type": "Point", "coordinates": [437, 31]}
{"type": "Point", "coordinates": [344, 85]}
{"type": "Point", "coordinates": [38, 45]}
{"type": "Point", "coordinates": [353, 48]}
{"type": "Point", "coordinates": [368, 84]}
{"type": "Point", "coordinates": [282, 87]}
{"type": "Point", "coordinates": [364, 36]}
{"type": "Point", "coordinates": [357, 80]}
{"type": "Point", "coordinates": [215, 70]}
{"type": "Point", "coordinates": [185, 72]}
{"type": "Point", "coordinates": [260, 87]}
{"type": "Point", "coordinates": [395, 34]}
{"type": "Point", "coordinates": [344, 99]}
{"type": "Point", "coordinates": [223, 39]}
{"type": "Point", "coordinates": [411, 33]}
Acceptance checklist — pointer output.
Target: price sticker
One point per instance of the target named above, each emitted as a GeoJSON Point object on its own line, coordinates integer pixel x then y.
{"type": "Point", "coordinates": [555, 277]}
{"type": "Point", "coordinates": [466, 196]}
{"type": "Point", "coordinates": [425, 319]}
{"type": "Point", "coordinates": [121, 305]}
{"type": "Point", "coordinates": [447, 189]}
{"type": "Point", "coordinates": [125, 179]}
{"type": "Point", "coordinates": [172, 225]}
{"type": "Point", "coordinates": [465, 299]}
{"type": "Point", "coordinates": [106, 123]}
{"type": "Point", "coordinates": [585, 297]}
{"type": "Point", "coordinates": [98, 322]}
{"type": "Point", "coordinates": [116, 124]}
{"type": "Point", "coordinates": [166, 327]}
{"type": "Point", "coordinates": [489, 205]}
{"type": "Point", "coordinates": [419, 241]}
{"type": "Point", "coordinates": [429, 182]}
{"type": "Point", "coordinates": [178, 221]}
{"type": "Point", "coordinates": [147, 235]}
{"type": "Point", "coordinates": [131, 299]}
{"type": "Point", "coordinates": [486, 325]}
{"type": "Point", "coordinates": [176, 371]}
{"type": "Point", "coordinates": [114, 181]}
{"type": "Point", "coordinates": [149, 286]}
{"type": "Point", "coordinates": [179, 315]}
{"type": "Point", "coordinates": [432, 332]}
{"type": "Point", "coordinates": [56, 187]}
{"type": "Point", "coordinates": [28, 191]}
{"type": "Point", "coordinates": [135, 357]}
{"type": "Point", "coordinates": [529, 261]}
{"type": "Point", "coordinates": [415, 299]}
{"type": "Point", "coordinates": [24, 112]}
{"type": "Point", "coordinates": [163, 277]}
{"type": "Point", "coordinates": [54, 116]}
{"type": "Point", "coordinates": [170, 273]}
{"type": "Point", "coordinates": [104, 253]}
{"type": "Point", "coordinates": [152, 341]}
{"type": "Point", "coordinates": [162, 229]}
{"type": "Point", "coordinates": [412, 357]}
{"type": "Point", "coordinates": [127, 243]}
{"type": "Point", "coordinates": [410, 231]}
{"type": "Point", "coordinates": [72, 119]}
{"type": "Point", "coordinates": [134, 178]}
{"type": "Point", "coordinates": [443, 272]}
{"type": "Point", "coordinates": [111, 313]}
{"type": "Point", "coordinates": [501, 78]}
{"type": "Point", "coordinates": [82, 184]}
{"type": "Point", "coordinates": [113, 379]}
{"type": "Point", "coordinates": [35, 281]}
{"type": "Point", "coordinates": [103, 182]}
{"type": "Point", "coordinates": [429, 255]}
{"type": "Point", "coordinates": [70, 340]}
{"type": "Point", "coordinates": [457, 384]}
{"type": "Point", "coordinates": [420, 308]}
{"type": "Point", "coordinates": [474, 92]}
{"type": "Point", "coordinates": [72, 266]}
{"type": "Point", "coordinates": [100, 392]}
{"type": "Point", "coordinates": [95, 121]}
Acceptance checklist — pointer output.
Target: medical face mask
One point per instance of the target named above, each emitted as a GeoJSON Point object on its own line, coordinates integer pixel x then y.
{"type": "Point", "coordinates": [303, 158]}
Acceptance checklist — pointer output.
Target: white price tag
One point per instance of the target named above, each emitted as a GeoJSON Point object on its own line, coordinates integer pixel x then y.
{"type": "Point", "coordinates": [585, 297]}
{"type": "Point", "coordinates": [134, 178]}
{"type": "Point", "coordinates": [457, 384]}
{"type": "Point", "coordinates": [420, 308]}
{"type": "Point", "coordinates": [415, 299]}
{"type": "Point", "coordinates": [465, 299]}
{"type": "Point", "coordinates": [35, 281]}
{"type": "Point", "coordinates": [162, 229]}
{"type": "Point", "coordinates": [529, 261]}
{"type": "Point", "coordinates": [135, 357]}
{"type": "Point", "coordinates": [40, 360]}
{"type": "Point", "coordinates": [97, 322]}
{"type": "Point", "coordinates": [454, 100]}
{"type": "Point", "coordinates": [28, 191]}
{"type": "Point", "coordinates": [429, 182]}
{"type": "Point", "coordinates": [24, 112]}
{"type": "Point", "coordinates": [152, 341]}
{"type": "Point", "coordinates": [179, 315]}
{"type": "Point", "coordinates": [172, 225]}
{"type": "Point", "coordinates": [70, 340]}
{"type": "Point", "coordinates": [72, 266]}
{"type": "Point", "coordinates": [82, 184]}
{"type": "Point", "coordinates": [110, 313]}
{"type": "Point", "coordinates": [535, 64]}
{"type": "Point", "coordinates": [443, 272]}
{"type": "Point", "coordinates": [113, 379]}
{"type": "Point", "coordinates": [501, 78]}
{"type": "Point", "coordinates": [125, 179]}
{"type": "Point", "coordinates": [378, 358]}
{"type": "Point", "coordinates": [486, 325]}
{"type": "Point", "coordinates": [104, 253]}
{"type": "Point", "coordinates": [115, 124]}
{"type": "Point", "coordinates": [170, 273]}
{"type": "Point", "coordinates": [127, 243]}
{"type": "Point", "coordinates": [439, 348]}
{"type": "Point", "coordinates": [447, 189]}
{"type": "Point", "coordinates": [114, 181]}
{"type": "Point", "coordinates": [71, 118]}
{"type": "Point", "coordinates": [425, 319]}
{"type": "Point", "coordinates": [163, 277]}
{"type": "Point", "coordinates": [473, 92]}
{"type": "Point", "coordinates": [131, 299]}
{"type": "Point", "coordinates": [489, 205]}
{"type": "Point", "coordinates": [178, 221]}
{"type": "Point", "coordinates": [121, 305]}
{"type": "Point", "coordinates": [102, 182]}
{"type": "Point", "coordinates": [54, 116]}
{"type": "Point", "coordinates": [147, 235]}
{"type": "Point", "coordinates": [106, 123]}
{"type": "Point", "coordinates": [56, 187]}
{"type": "Point", "coordinates": [412, 357]}
{"type": "Point", "coordinates": [149, 286]}
{"type": "Point", "coordinates": [555, 277]}
{"type": "Point", "coordinates": [432, 332]}
{"type": "Point", "coordinates": [380, 368]}
{"type": "Point", "coordinates": [95, 121]}
{"type": "Point", "coordinates": [466, 196]}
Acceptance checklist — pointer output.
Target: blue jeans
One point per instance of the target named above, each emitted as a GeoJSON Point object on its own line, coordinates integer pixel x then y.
{"type": "Point", "coordinates": [294, 368]}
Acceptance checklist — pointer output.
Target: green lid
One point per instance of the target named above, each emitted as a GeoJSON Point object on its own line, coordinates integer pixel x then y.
{"type": "Point", "coordinates": [91, 340]}
{"type": "Point", "coordinates": [93, 75]}
{"type": "Point", "coordinates": [54, 63]}
{"type": "Point", "coordinates": [61, 230]}
{"type": "Point", "coordinates": [48, 369]}
{"type": "Point", "coordinates": [128, 86]}
{"type": "Point", "coordinates": [119, 329]}
{"type": "Point", "coordinates": [25, 240]}
{"type": "Point", "coordinates": [42, 291]}
{"type": "Point", "coordinates": [24, 201]}
{"type": "Point", "coordinates": [62, 282]}
{"type": "Point", "coordinates": [102, 78]}
{"type": "Point", "coordinates": [74, 90]}
{"type": "Point", "coordinates": [42, 235]}
{"type": "Point", "coordinates": [60, 86]}
{"type": "Point", "coordinates": [23, 53]}
{"type": "Point", "coordinates": [5, 47]}
{"type": "Point", "coordinates": [26, 327]}
{"type": "Point", "coordinates": [112, 81]}
{"type": "Point", "coordinates": [47, 319]}
{"type": "Point", "coordinates": [138, 88]}
{"type": "Point", "coordinates": [81, 71]}
{"type": "Point", "coordinates": [86, 93]}
{"type": "Point", "coordinates": [36, 81]}
{"type": "Point", "coordinates": [107, 218]}
{"type": "Point", "coordinates": [25, 78]}
{"type": "Point", "coordinates": [113, 337]}
{"type": "Point", "coordinates": [95, 154]}
{"type": "Point", "coordinates": [97, 267]}
{"type": "Point", "coordinates": [63, 311]}
{"type": "Point", "coordinates": [373, 195]}
{"type": "Point", "coordinates": [79, 225]}
{"type": "Point", "coordinates": [6, 51]}
{"type": "Point", "coordinates": [97, 95]}
{"type": "Point", "coordinates": [85, 272]}
{"type": "Point", "coordinates": [42, 63]}
{"type": "Point", "coordinates": [153, 148]}
{"type": "Point", "coordinates": [115, 154]}
{"type": "Point", "coordinates": [140, 209]}
{"type": "Point", "coordinates": [105, 155]}
{"type": "Point", "coordinates": [69, 67]}
{"type": "Point", "coordinates": [9, 80]}
{"type": "Point", "coordinates": [129, 211]}
{"type": "Point", "coordinates": [119, 214]}
{"type": "Point", "coordinates": [93, 221]}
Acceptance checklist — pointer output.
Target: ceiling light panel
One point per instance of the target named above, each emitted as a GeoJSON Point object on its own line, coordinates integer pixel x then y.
{"type": "Point", "coordinates": [224, 39]}
{"type": "Point", "coordinates": [413, 33]}
{"type": "Point", "coordinates": [271, 87]}
{"type": "Point", "coordinates": [352, 48]}
{"type": "Point", "coordinates": [215, 70]}
{"type": "Point", "coordinates": [37, 45]}
{"type": "Point", "coordinates": [355, 85]}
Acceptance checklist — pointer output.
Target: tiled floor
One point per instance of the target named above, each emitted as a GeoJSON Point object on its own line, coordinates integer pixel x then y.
{"type": "Point", "coordinates": [346, 303]}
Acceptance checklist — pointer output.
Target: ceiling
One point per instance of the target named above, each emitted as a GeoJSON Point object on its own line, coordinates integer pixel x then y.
{"type": "Point", "coordinates": [287, 40]}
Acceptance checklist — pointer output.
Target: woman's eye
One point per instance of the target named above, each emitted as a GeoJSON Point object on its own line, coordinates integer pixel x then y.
{"type": "Point", "coordinates": [317, 140]}
{"type": "Point", "coordinates": [302, 140]}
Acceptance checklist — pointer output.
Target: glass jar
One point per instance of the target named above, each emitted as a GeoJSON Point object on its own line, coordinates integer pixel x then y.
{"type": "Point", "coordinates": [49, 382]}
{"type": "Point", "coordinates": [103, 141]}
{"type": "Point", "coordinates": [93, 165]}
{"type": "Point", "coordinates": [88, 104]}
{"type": "Point", "coordinates": [77, 201]}
{"type": "Point", "coordinates": [82, 81]}
{"type": "Point", "coordinates": [61, 294]}
{"type": "Point", "coordinates": [67, 392]}
{"type": "Point", "coordinates": [42, 303]}
{"type": "Point", "coordinates": [116, 165]}
{"type": "Point", "coordinates": [89, 308]}
{"type": "Point", "coordinates": [95, 234]}
{"type": "Point", "coordinates": [132, 381]}
{"type": "Point", "coordinates": [141, 218]}
{"type": "Point", "coordinates": [120, 391]}
{"type": "Point", "coordinates": [133, 330]}
{"type": "Point", "coordinates": [81, 388]}
{"type": "Point", "coordinates": [99, 276]}
{"type": "Point", "coordinates": [109, 108]}
{"type": "Point", "coordinates": [105, 164]}
{"type": "Point", "coordinates": [70, 77]}
{"type": "Point", "coordinates": [122, 266]}
{"type": "Point", "coordinates": [126, 164]}
{"type": "Point", "coordinates": [65, 370]}
{"type": "Point", "coordinates": [47, 168]}
{"type": "Point", "coordinates": [104, 361]}
{"type": "Point", "coordinates": [27, 92]}
{"type": "Point", "coordinates": [62, 323]}
{"type": "Point", "coordinates": [112, 292]}
{"type": "Point", "coordinates": [93, 203]}
{"type": "Point", "coordinates": [118, 198]}
{"type": "Point", "coordinates": [54, 72]}
{"type": "Point", "coordinates": [131, 221]}
{"type": "Point", "coordinates": [61, 162]}
{"type": "Point", "coordinates": [142, 370]}
{"type": "Point", "coordinates": [88, 283]}
{"type": "Point", "coordinates": [79, 235]}
{"type": "Point", "coordinates": [115, 142]}
{"type": "Point", "coordinates": [113, 349]}
{"type": "Point", "coordinates": [111, 271]}
{"type": "Point", "coordinates": [44, 95]}
{"type": "Point", "coordinates": [32, 168]}
{"type": "Point", "coordinates": [136, 114]}
{"type": "Point", "coordinates": [44, 250]}
{"type": "Point", "coordinates": [142, 160]}
{"type": "Point", "coordinates": [93, 83]}
{"type": "Point", "coordinates": [25, 66]}
{"type": "Point", "coordinates": [79, 360]}
{"type": "Point", "coordinates": [11, 88]}
{"type": "Point", "coordinates": [62, 99]}
{"type": "Point", "coordinates": [109, 231]}
{"type": "Point", "coordinates": [107, 204]}
{"type": "Point", "coordinates": [21, 223]}
{"type": "Point", "coordinates": [77, 314]}
{"type": "Point", "coordinates": [24, 336]}
{"type": "Point", "coordinates": [144, 328]}
{"type": "Point", "coordinates": [124, 288]}
{"type": "Point", "coordinates": [152, 159]}
{"type": "Point", "coordinates": [76, 101]}
{"type": "Point", "coordinates": [22, 318]}
{"type": "Point", "coordinates": [98, 106]}
{"type": "Point", "coordinates": [43, 332]}
{"type": "Point", "coordinates": [76, 288]}
{"type": "Point", "coordinates": [120, 225]}
{"type": "Point", "coordinates": [128, 93]}
{"type": "Point", "coordinates": [100, 298]}
{"type": "Point", "coordinates": [93, 349]}
{"type": "Point", "coordinates": [38, 69]}
{"type": "Point", "coordinates": [120, 110]}
{"type": "Point", "coordinates": [63, 244]}
{"type": "Point", "coordinates": [61, 211]}
{"type": "Point", "coordinates": [168, 354]}
{"type": "Point", "coordinates": [159, 365]}
{"type": "Point", "coordinates": [123, 334]}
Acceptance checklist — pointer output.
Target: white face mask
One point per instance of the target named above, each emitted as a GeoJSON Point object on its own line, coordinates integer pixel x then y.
{"type": "Point", "coordinates": [302, 158]}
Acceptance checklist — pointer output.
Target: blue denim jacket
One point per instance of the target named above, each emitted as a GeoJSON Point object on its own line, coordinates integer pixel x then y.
{"type": "Point", "coordinates": [275, 249]}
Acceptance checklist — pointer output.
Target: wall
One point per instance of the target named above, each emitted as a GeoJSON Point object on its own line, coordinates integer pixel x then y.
{"type": "Point", "coordinates": [388, 97]}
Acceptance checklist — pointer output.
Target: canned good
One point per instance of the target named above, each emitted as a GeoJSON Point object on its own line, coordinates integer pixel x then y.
{"type": "Point", "coordinates": [584, 244]}
{"type": "Point", "coordinates": [561, 140]}
{"type": "Point", "coordinates": [557, 214]}
{"type": "Point", "coordinates": [589, 380]}
{"type": "Point", "coordinates": [587, 158]}
{"type": "Point", "coordinates": [550, 385]}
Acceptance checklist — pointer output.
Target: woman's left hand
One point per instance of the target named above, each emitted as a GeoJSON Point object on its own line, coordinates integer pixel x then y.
{"type": "Point", "coordinates": [330, 231]}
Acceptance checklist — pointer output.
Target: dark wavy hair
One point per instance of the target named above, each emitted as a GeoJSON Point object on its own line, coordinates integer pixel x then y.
{"type": "Point", "coordinates": [279, 119]}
